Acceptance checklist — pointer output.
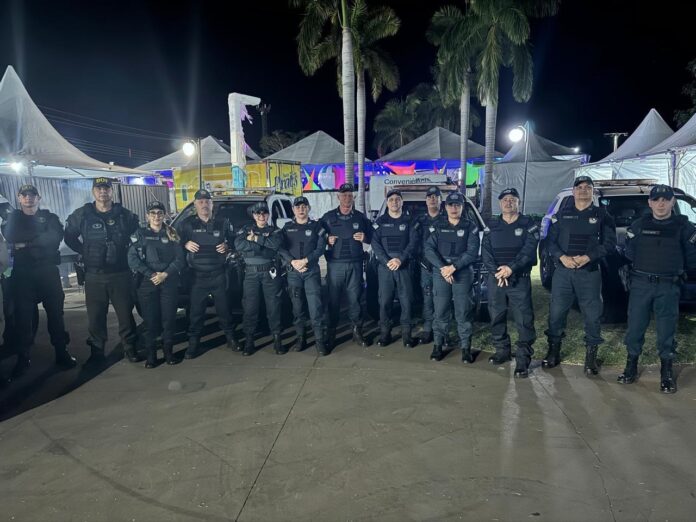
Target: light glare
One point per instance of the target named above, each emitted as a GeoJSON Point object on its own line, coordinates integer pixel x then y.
{"type": "Point", "coordinates": [516, 134]}
{"type": "Point", "coordinates": [189, 149]}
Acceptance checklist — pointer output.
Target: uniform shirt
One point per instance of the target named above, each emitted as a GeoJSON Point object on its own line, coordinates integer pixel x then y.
{"type": "Point", "coordinates": [346, 249]}
{"type": "Point", "coordinates": [516, 242]}
{"type": "Point", "coordinates": [402, 232]}
{"type": "Point", "coordinates": [600, 244]}
{"type": "Point", "coordinates": [152, 252]}
{"type": "Point", "coordinates": [661, 246]}
{"type": "Point", "coordinates": [261, 251]}
{"type": "Point", "coordinates": [38, 235]}
{"type": "Point", "coordinates": [467, 255]}
{"type": "Point", "coordinates": [312, 233]}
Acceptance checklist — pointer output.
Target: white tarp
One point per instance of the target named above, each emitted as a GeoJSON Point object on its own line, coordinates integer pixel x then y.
{"type": "Point", "coordinates": [655, 166]}
{"type": "Point", "coordinates": [437, 143]}
{"type": "Point", "coordinates": [213, 152]}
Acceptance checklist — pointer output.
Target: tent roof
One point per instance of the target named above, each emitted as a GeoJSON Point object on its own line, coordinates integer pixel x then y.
{"type": "Point", "coordinates": [214, 152]}
{"type": "Point", "coordinates": [437, 143]}
{"type": "Point", "coordinates": [540, 149]}
{"type": "Point", "coordinates": [316, 149]}
{"type": "Point", "coordinates": [26, 134]}
{"type": "Point", "coordinates": [684, 137]}
{"type": "Point", "coordinates": [651, 131]}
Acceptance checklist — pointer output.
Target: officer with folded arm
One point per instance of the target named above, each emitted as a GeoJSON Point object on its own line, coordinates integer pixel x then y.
{"type": "Point", "coordinates": [206, 239]}
{"type": "Point", "coordinates": [35, 235]}
{"type": "Point", "coordinates": [508, 252]}
{"type": "Point", "coordinates": [100, 232]}
{"type": "Point", "coordinates": [303, 242]}
{"type": "Point", "coordinates": [660, 246]}
{"type": "Point", "coordinates": [258, 243]}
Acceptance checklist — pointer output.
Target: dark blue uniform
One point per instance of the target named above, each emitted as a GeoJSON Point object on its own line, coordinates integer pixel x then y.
{"type": "Point", "coordinates": [574, 232]}
{"type": "Point", "coordinates": [395, 238]}
{"type": "Point", "coordinates": [35, 240]}
{"type": "Point", "coordinates": [456, 245]}
{"type": "Point", "coordinates": [152, 252]}
{"type": "Point", "coordinates": [305, 241]}
{"type": "Point", "coordinates": [513, 245]}
{"type": "Point", "coordinates": [427, 226]}
{"type": "Point", "coordinates": [103, 239]}
{"type": "Point", "coordinates": [660, 251]}
{"type": "Point", "coordinates": [261, 281]}
{"type": "Point", "coordinates": [345, 267]}
{"type": "Point", "coordinates": [209, 276]}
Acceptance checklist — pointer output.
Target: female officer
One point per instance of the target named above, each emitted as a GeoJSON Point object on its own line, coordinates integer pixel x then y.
{"type": "Point", "coordinates": [157, 259]}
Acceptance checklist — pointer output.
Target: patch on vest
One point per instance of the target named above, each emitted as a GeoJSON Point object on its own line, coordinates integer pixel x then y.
{"type": "Point", "coordinates": [96, 225]}
{"type": "Point", "coordinates": [308, 233]}
{"type": "Point", "coordinates": [431, 229]}
{"type": "Point", "coordinates": [519, 231]}
{"type": "Point", "coordinates": [111, 222]}
{"type": "Point", "coordinates": [460, 233]}
{"type": "Point", "coordinates": [593, 221]}
{"type": "Point", "coordinates": [164, 239]}
{"type": "Point", "coordinates": [374, 225]}
{"type": "Point", "coordinates": [41, 219]}
{"type": "Point", "coordinates": [402, 227]}
{"type": "Point", "coordinates": [356, 226]}
{"type": "Point", "coordinates": [216, 233]}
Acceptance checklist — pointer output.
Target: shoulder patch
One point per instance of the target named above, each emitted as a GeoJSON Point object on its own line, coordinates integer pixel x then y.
{"type": "Point", "coordinates": [630, 234]}
{"type": "Point", "coordinates": [692, 239]}
{"type": "Point", "coordinates": [533, 229]}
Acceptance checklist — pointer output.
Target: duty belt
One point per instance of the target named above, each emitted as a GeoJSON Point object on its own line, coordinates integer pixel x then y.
{"type": "Point", "coordinates": [654, 278]}
{"type": "Point", "coordinates": [259, 268]}
{"type": "Point", "coordinates": [214, 273]}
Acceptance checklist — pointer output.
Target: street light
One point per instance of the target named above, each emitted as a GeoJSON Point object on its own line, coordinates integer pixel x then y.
{"type": "Point", "coordinates": [515, 135]}
{"type": "Point", "coordinates": [190, 148]}
{"type": "Point", "coordinates": [16, 166]}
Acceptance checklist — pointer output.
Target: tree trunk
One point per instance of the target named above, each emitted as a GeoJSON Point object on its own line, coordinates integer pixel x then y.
{"type": "Point", "coordinates": [348, 93]}
{"type": "Point", "coordinates": [491, 116]}
{"type": "Point", "coordinates": [464, 111]}
{"type": "Point", "coordinates": [361, 113]}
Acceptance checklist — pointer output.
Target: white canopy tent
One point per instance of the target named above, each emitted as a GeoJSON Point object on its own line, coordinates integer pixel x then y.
{"type": "Point", "coordinates": [213, 152]}
{"type": "Point", "coordinates": [316, 149]}
{"type": "Point", "coordinates": [436, 144]}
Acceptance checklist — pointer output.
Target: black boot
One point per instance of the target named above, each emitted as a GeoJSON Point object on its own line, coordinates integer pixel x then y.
{"type": "Point", "coordinates": [330, 338]}
{"type": "Point", "coordinates": [131, 353]}
{"type": "Point", "coordinates": [385, 338]}
{"type": "Point", "coordinates": [667, 383]}
{"type": "Point", "coordinates": [425, 337]}
{"type": "Point", "coordinates": [591, 360]}
{"type": "Point", "coordinates": [630, 373]}
{"type": "Point", "coordinates": [192, 349]}
{"type": "Point", "coordinates": [406, 338]}
{"type": "Point", "coordinates": [150, 357]}
{"type": "Point", "coordinates": [249, 348]}
{"type": "Point", "coordinates": [278, 347]}
{"type": "Point", "coordinates": [501, 356]}
{"type": "Point", "coordinates": [300, 342]}
{"type": "Point", "coordinates": [553, 356]}
{"type": "Point", "coordinates": [169, 358]}
{"type": "Point", "coordinates": [64, 359]}
{"type": "Point", "coordinates": [358, 337]}
{"type": "Point", "coordinates": [233, 343]}
{"type": "Point", "coordinates": [21, 366]}
{"type": "Point", "coordinates": [523, 357]}
{"type": "Point", "coordinates": [321, 348]}
{"type": "Point", "coordinates": [467, 357]}
{"type": "Point", "coordinates": [437, 353]}
{"type": "Point", "coordinates": [96, 356]}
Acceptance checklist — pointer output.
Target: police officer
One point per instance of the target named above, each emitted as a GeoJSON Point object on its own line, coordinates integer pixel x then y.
{"type": "Point", "coordinates": [206, 240]}
{"type": "Point", "coordinates": [100, 232]}
{"type": "Point", "coordinates": [157, 259]}
{"type": "Point", "coordinates": [35, 235]}
{"type": "Point", "coordinates": [453, 248]}
{"type": "Point", "coordinates": [258, 243]}
{"type": "Point", "coordinates": [433, 202]}
{"type": "Point", "coordinates": [303, 242]}
{"type": "Point", "coordinates": [660, 247]}
{"type": "Point", "coordinates": [395, 243]}
{"type": "Point", "coordinates": [347, 230]}
{"type": "Point", "coordinates": [509, 253]}
{"type": "Point", "coordinates": [579, 237]}
{"type": "Point", "coordinates": [4, 264]}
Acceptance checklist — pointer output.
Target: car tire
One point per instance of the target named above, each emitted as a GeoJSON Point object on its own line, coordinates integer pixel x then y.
{"type": "Point", "coordinates": [546, 266]}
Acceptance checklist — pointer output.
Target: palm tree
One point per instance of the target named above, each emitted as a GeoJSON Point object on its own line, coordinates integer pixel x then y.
{"type": "Point", "coordinates": [394, 125]}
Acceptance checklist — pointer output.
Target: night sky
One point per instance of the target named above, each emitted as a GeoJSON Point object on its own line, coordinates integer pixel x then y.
{"type": "Point", "coordinates": [167, 67]}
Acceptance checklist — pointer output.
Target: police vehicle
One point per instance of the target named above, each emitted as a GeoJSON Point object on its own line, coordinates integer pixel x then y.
{"type": "Point", "coordinates": [625, 200]}
{"type": "Point", "coordinates": [414, 204]}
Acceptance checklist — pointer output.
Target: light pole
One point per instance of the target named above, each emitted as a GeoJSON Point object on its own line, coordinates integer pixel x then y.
{"type": "Point", "coordinates": [191, 147]}
{"type": "Point", "coordinates": [515, 135]}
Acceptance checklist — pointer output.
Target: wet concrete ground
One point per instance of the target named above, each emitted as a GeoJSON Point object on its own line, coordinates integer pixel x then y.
{"type": "Point", "coordinates": [364, 434]}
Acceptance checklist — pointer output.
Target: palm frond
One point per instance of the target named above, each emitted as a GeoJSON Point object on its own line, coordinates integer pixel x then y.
{"type": "Point", "coordinates": [523, 73]}
{"type": "Point", "coordinates": [515, 25]}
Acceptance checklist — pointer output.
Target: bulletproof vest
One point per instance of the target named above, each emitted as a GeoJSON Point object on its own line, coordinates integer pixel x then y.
{"type": "Point", "coordinates": [104, 238]}
{"type": "Point", "coordinates": [266, 255]}
{"type": "Point", "coordinates": [302, 239]}
{"type": "Point", "coordinates": [452, 240]}
{"type": "Point", "coordinates": [394, 234]}
{"type": "Point", "coordinates": [345, 248]}
{"type": "Point", "coordinates": [27, 229]}
{"type": "Point", "coordinates": [208, 236]}
{"type": "Point", "coordinates": [156, 249]}
{"type": "Point", "coordinates": [658, 247]}
{"type": "Point", "coordinates": [508, 239]}
{"type": "Point", "coordinates": [579, 232]}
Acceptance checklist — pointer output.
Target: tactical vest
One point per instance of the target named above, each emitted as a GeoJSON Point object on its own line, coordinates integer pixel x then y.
{"type": "Point", "coordinates": [508, 239]}
{"type": "Point", "coordinates": [578, 233]}
{"type": "Point", "coordinates": [452, 240]}
{"type": "Point", "coordinates": [657, 247]}
{"type": "Point", "coordinates": [267, 254]}
{"type": "Point", "coordinates": [342, 226]}
{"type": "Point", "coordinates": [105, 240]}
{"type": "Point", "coordinates": [208, 236]}
{"type": "Point", "coordinates": [394, 234]}
{"type": "Point", "coordinates": [156, 249]}
{"type": "Point", "coordinates": [27, 229]}
{"type": "Point", "coordinates": [302, 239]}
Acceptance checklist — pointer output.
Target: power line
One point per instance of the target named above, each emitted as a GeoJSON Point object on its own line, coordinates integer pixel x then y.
{"type": "Point", "coordinates": [88, 126]}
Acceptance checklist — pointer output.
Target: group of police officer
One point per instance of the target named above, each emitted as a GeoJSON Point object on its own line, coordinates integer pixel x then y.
{"type": "Point", "coordinates": [443, 247]}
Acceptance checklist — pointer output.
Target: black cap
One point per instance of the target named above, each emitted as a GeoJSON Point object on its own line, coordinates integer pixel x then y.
{"type": "Point", "coordinates": [509, 192]}
{"type": "Point", "coordinates": [102, 182]}
{"type": "Point", "coordinates": [433, 191]}
{"type": "Point", "coordinates": [661, 191]}
{"type": "Point", "coordinates": [346, 187]}
{"type": "Point", "coordinates": [156, 205]}
{"type": "Point", "coordinates": [259, 207]}
{"type": "Point", "coordinates": [583, 179]}
{"type": "Point", "coordinates": [300, 200]}
{"type": "Point", "coordinates": [202, 194]}
{"type": "Point", "coordinates": [454, 198]}
{"type": "Point", "coordinates": [28, 189]}
{"type": "Point", "coordinates": [394, 192]}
